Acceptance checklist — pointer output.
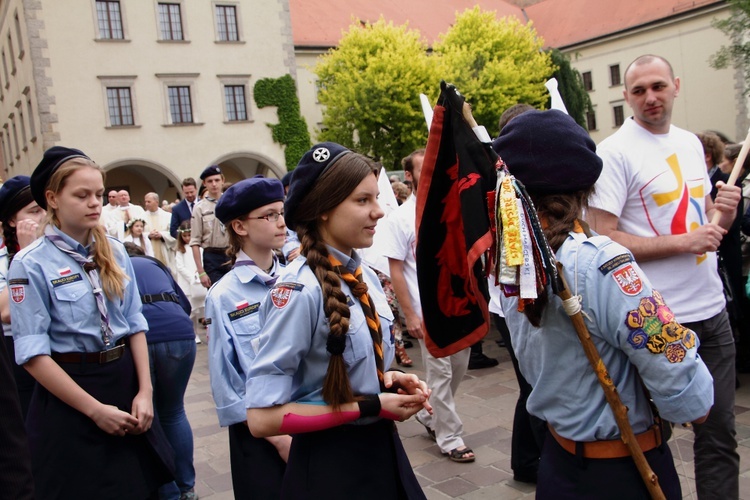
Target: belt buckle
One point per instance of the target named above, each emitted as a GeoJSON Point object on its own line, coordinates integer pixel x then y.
{"type": "Point", "coordinates": [110, 354]}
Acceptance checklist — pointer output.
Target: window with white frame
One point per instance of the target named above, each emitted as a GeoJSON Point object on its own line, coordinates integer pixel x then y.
{"type": "Point", "coordinates": [119, 101]}
{"type": "Point", "coordinates": [180, 98]}
{"type": "Point", "coordinates": [119, 106]}
{"type": "Point", "coordinates": [109, 20]}
{"type": "Point", "coordinates": [227, 27]}
{"type": "Point", "coordinates": [234, 100]}
{"type": "Point", "coordinates": [170, 21]}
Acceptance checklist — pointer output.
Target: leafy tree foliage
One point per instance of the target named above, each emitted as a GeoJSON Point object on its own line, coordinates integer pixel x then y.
{"type": "Point", "coordinates": [736, 27]}
{"type": "Point", "coordinates": [570, 84]}
{"type": "Point", "coordinates": [291, 131]}
{"type": "Point", "coordinates": [494, 63]}
{"type": "Point", "coordinates": [370, 88]}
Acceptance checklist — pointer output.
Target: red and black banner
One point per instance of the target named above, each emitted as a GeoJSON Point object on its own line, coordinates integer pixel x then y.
{"type": "Point", "coordinates": [453, 229]}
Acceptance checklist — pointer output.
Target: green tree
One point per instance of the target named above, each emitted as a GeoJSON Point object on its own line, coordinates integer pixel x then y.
{"type": "Point", "coordinates": [494, 63]}
{"type": "Point", "coordinates": [570, 84]}
{"type": "Point", "coordinates": [291, 131]}
{"type": "Point", "coordinates": [736, 27]}
{"type": "Point", "coordinates": [370, 88]}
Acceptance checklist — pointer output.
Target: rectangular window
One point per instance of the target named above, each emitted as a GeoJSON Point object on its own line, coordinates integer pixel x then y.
{"type": "Point", "coordinates": [179, 104]}
{"type": "Point", "coordinates": [23, 127]}
{"type": "Point", "coordinates": [234, 96]}
{"type": "Point", "coordinates": [15, 136]}
{"type": "Point", "coordinates": [226, 23]}
{"type": "Point", "coordinates": [5, 70]}
{"type": "Point", "coordinates": [619, 114]}
{"type": "Point", "coordinates": [6, 147]}
{"type": "Point", "coordinates": [588, 85]}
{"type": "Point", "coordinates": [30, 115]}
{"type": "Point", "coordinates": [170, 22]}
{"type": "Point", "coordinates": [591, 120]}
{"type": "Point", "coordinates": [110, 19]}
{"type": "Point", "coordinates": [120, 106]}
{"type": "Point", "coordinates": [19, 37]}
{"type": "Point", "coordinates": [12, 55]}
{"type": "Point", "coordinates": [614, 75]}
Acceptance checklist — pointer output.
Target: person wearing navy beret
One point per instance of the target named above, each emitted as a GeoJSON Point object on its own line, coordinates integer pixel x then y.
{"type": "Point", "coordinates": [208, 232]}
{"type": "Point", "coordinates": [20, 216]}
{"type": "Point", "coordinates": [79, 331]}
{"type": "Point", "coordinates": [652, 359]}
{"type": "Point", "coordinates": [252, 211]}
{"type": "Point", "coordinates": [326, 344]}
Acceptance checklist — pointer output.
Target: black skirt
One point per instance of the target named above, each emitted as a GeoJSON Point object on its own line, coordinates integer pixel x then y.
{"type": "Point", "coordinates": [350, 461]}
{"type": "Point", "coordinates": [73, 458]}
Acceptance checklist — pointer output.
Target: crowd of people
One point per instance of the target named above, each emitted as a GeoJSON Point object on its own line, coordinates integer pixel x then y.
{"type": "Point", "coordinates": [307, 287]}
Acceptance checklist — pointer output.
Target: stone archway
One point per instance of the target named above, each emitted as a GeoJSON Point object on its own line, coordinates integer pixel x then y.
{"type": "Point", "coordinates": [141, 176]}
{"type": "Point", "coordinates": [245, 164]}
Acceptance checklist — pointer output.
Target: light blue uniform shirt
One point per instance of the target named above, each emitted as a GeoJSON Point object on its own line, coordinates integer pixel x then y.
{"type": "Point", "coordinates": [292, 362]}
{"type": "Point", "coordinates": [53, 304]}
{"type": "Point", "coordinates": [4, 279]}
{"type": "Point", "coordinates": [630, 326]}
{"type": "Point", "coordinates": [233, 306]}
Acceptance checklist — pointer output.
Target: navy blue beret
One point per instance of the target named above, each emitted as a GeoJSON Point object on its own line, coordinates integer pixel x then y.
{"type": "Point", "coordinates": [247, 195]}
{"type": "Point", "coordinates": [286, 179]}
{"type": "Point", "coordinates": [53, 158]}
{"type": "Point", "coordinates": [313, 163]}
{"type": "Point", "coordinates": [209, 171]}
{"type": "Point", "coordinates": [10, 192]}
{"type": "Point", "coordinates": [549, 152]}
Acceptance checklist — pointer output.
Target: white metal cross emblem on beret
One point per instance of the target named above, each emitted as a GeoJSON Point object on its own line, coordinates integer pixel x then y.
{"type": "Point", "coordinates": [321, 154]}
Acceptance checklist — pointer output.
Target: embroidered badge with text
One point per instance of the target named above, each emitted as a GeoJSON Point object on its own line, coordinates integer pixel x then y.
{"type": "Point", "coordinates": [627, 280]}
{"type": "Point", "coordinates": [281, 294]}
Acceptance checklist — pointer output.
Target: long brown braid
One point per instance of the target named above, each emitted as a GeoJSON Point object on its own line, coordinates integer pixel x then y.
{"type": "Point", "coordinates": [558, 213]}
{"type": "Point", "coordinates": [332, 188]}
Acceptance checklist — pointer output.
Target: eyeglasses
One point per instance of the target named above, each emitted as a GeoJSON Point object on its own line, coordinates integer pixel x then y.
{"type": "Point", "coordinates": [272, 217]}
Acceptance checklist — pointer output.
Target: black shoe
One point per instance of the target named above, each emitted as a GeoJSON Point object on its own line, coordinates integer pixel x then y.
{"type": "Point", "coordinates": [525, 477]}
{"type": "Point", "coordinates": [408, 343]}
{"type": "Point", "coordinates": [479, 361]}
{"type": "Point", "coordinates": [500, 342]}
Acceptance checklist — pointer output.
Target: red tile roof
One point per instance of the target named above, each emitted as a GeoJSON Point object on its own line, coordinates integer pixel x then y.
{"type": "Point", "coordinates": [320, 23]}
{"type": "Point", "coordinates": [565, 22]}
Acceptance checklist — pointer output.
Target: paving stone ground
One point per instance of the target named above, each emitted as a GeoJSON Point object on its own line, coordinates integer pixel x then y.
{"type": "Point", "coordinates": [485, 402]}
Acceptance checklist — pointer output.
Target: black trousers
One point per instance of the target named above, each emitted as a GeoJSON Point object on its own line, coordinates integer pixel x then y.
{"type": "Point", "coordinates": [216, 265]}
{"type": "Point", "coordinates": [528, 431]}
{"type": "Point", "coordinates": [25, 383]}
{"type": "Point", "coordinates": [257, 468]}
{"type": "Point", "coordinates": [565, 476]}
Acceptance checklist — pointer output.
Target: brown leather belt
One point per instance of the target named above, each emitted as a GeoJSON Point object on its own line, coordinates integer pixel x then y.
{"type": "Point", "coordinates": [100, 357]}
{"type": "Point", "coordinates": [610, 449]}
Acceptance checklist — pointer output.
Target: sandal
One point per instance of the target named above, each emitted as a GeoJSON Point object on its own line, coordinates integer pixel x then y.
{"type": "Point", "coordinates": [460, 455]}
{"type": "Point", "coordinates": [429, 429]}
{"type": "Point", "coordinates": [402, 358]}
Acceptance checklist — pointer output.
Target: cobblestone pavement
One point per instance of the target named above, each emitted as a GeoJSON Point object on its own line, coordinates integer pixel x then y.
{"type": "Point", "coordinates": [485, 402]}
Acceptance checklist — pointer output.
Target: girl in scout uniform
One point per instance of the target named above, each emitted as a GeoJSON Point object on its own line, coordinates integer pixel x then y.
{"type": "Point", "coordinates": [633, 329]}
{"type": "Point", "coordinates": [79, 331]}
{"type": "Point", "coordinates": [20, 216]}
{"type": "Point", "coordinates": [253, 212]}
{"type": "Point", "coordinates": [319, 374]}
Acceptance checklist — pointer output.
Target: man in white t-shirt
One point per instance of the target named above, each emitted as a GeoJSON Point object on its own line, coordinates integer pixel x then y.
{"type": "Point", "coordinates": [653, 197]}
{"type": "Point", "coordinates": [443, 374]}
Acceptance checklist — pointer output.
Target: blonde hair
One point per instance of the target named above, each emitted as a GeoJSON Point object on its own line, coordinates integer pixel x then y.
{"type": "Point", "coordinates": [111, 275]}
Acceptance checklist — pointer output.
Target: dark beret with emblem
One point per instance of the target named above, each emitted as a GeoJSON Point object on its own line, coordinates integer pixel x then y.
{"type": "Point", "coordinates": [53, 159]}
{"type": "Point", "coordinates": [247, 195]}
{"type": "Point", "coordinates": [15, 194]}
{"type": "Point", "coordinates": [209, 171]}
{"type": "Point", "coordinates": [549, 152]}
{"type": "Point", "coordinates": [316, 161]}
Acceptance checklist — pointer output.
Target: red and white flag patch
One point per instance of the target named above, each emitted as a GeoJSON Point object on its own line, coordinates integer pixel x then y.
{"type": "Point", "coordinates": [628, 280]}
{"type": "Point", "coordinates": [241, 304]}
{"type": "Point", "coordinates": [64, 271]}
{"type": "Point", "coordinates": [17, 293]}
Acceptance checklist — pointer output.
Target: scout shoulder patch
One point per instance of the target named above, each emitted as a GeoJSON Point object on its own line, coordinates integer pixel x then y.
{"type": "Point", "coordinates": [628, 280]}
{"type": "Point", "coordinates": [17, 293]}
{"type": "Point", "coordinates": [243, 310]}
{"type": "Point", "coordinates": [18, 281]}
{"type": "Point", "coordinates": [281, 294]}
{"type": "Point", "coordinates": [615, 262]}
